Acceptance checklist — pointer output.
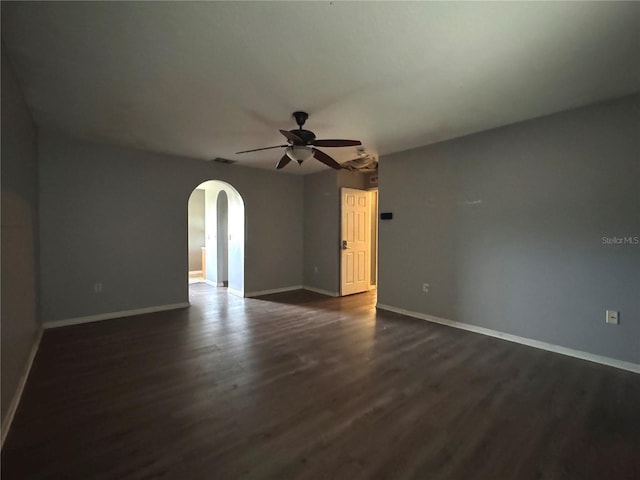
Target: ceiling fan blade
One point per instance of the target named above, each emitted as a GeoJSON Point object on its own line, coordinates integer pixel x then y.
{"type": "Point", "coordinates": [265, 148]}
{"type": "Point", "coordinates": [292, 137]}
{"type": "Point", "coordinates": [337, 143]}
{"type": "Point", "coordinates": [326, 159]}
{"type": "Point", "coordinates": [283, 162]}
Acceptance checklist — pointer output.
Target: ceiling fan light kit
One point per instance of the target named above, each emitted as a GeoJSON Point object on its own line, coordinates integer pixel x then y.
{"type": "Point", "coordinates": [301, 143]}
{"type": "Point", "coordinates": [299, 154]}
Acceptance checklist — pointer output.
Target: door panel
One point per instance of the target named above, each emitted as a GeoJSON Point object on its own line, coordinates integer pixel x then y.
{"type": "Point", "coordinates": [356, 241]}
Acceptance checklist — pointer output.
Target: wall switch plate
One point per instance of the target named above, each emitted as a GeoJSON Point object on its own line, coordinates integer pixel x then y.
{"type": "Point", "coordinates": [612, 317]}
{"type": "Point", "coordinates": [425, 287]}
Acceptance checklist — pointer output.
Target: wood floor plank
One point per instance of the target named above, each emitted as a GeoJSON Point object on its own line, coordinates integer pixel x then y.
{"type": "Point", "coordinates": [299, 385]}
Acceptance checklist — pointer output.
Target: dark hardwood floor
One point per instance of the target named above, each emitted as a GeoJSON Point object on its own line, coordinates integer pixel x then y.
{"type": "Point", "coordinates": [303, 386]}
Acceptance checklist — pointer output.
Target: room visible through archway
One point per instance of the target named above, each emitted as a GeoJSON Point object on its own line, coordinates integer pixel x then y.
{"type": "Point", "coordinates": [216, 236]}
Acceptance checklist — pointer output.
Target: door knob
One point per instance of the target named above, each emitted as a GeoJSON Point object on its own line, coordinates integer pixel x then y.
{"type": "Point", "coordinates": [344, 244]}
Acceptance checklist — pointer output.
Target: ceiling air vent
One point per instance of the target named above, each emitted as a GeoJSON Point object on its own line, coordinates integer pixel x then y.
{"type": "Point", "coordinates": [224, 160]}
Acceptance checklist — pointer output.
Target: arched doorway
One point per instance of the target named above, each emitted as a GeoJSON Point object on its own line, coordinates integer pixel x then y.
{"type": "Point", "coordinates": [222, 249]}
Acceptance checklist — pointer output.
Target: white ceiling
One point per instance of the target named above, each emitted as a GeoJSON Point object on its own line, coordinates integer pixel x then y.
{"type": "Point", "coordinates": [205, 80]}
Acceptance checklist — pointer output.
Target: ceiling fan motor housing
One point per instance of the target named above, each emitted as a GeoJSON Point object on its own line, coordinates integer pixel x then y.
{"type": "Point", "coordinates": [300, 117]}
{"type": "Point", "coordinates": [306, 135]}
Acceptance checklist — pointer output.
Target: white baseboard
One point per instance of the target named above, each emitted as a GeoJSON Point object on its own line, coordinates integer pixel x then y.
{"type": "Point", "coordinates": [111, 315]}
{"type": "Point", "coordinates": [591, 357]}
{"type": "Point", "coordinates": [235, 292]}
{"type": "Point", "coordinates": [273, 290]}
{"type": "Point", "coordinates": [13, 406]}
{"type": "Point", "coordinates": [321, 291]}
{"type": "Point", "coordinates": [214, 284]}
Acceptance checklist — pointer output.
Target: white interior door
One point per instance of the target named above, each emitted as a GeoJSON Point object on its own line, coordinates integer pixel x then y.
{"type": "Point", "coordinates": [356, 241]}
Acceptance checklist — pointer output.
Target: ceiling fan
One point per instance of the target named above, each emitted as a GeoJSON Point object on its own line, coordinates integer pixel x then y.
{"type": "Point", "coordinates": [301, 145]}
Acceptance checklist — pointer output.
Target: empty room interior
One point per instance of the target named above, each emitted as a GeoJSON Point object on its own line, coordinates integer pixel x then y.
{"type": "Point", "coordinates": [320, 240]}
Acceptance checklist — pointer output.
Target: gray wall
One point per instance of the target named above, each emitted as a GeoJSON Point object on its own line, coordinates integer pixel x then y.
{"type": "Point", "coordinates": [119, 217]}
{"type": "Point", "coordinates": [224, 229]}
{"type": "Point", "coordinates": [506, 226]}
{"type": "Point", "coordinates": [196, 229]}
{"type": "Point", "coordinates": [212, 190]}
{"type": "Point", "coordinates": [19, 235]}
{"type": "Point", "coordinates": [322, 226]}
{"type": "Point", "coordinates": [222, 236]}
{"type": "Point", "coordinates": [322, 231]}
{"type": "Point", "coordinates": [349, 179]}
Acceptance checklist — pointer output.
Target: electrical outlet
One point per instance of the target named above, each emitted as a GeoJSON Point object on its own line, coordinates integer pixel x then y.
{"type": "Point", "coordinates": [315, 269]}
{"type": "Point", "coordinates": [425, 287]}
{"type": "Point", "coordinates": [612, 317]}
{"type": "Point", "coordinates": [97, 287]}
